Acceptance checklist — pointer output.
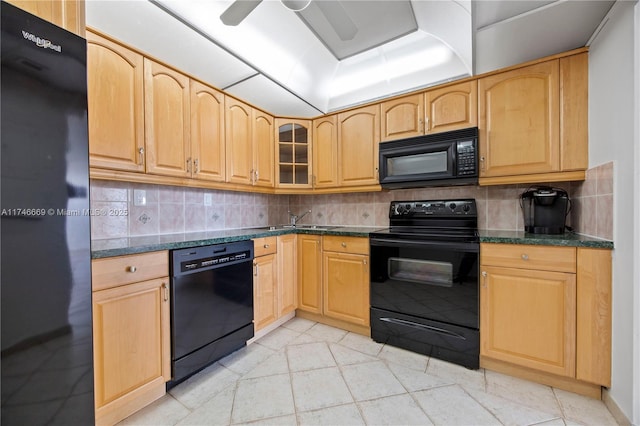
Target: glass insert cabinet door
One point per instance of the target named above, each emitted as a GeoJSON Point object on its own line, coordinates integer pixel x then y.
{"type": "Point", "coordinates": [293, 153]}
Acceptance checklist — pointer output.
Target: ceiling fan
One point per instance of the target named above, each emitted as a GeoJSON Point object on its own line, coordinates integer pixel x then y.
{"type": "Point", "coordinates": [332, 10]}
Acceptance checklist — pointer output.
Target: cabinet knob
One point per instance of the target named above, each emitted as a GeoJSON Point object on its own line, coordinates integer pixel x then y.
{"type": "Point", "coordinates": [364, 261]}
{"type": "Point", "coordinates": [344, 245]}
{"type": "Point", "coordinates": [525, 256]}
{"type": "Point", "coordinates": [266, 246]}
{"type": "Point", "coordinates": [131, 269]}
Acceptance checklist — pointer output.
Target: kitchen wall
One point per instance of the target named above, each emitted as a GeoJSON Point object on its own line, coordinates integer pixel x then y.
{"type": "Point", "coordinates": [614, 76]}
{"type": "Point", "coordinates": [175, 209]}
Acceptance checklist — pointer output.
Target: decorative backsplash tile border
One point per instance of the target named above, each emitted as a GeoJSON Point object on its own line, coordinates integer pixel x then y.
{"type": "Point", "coordinates": [177, 209]}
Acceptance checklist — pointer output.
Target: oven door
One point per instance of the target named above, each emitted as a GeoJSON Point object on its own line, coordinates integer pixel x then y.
{"type": "Point", "coordinates": [431, 280]}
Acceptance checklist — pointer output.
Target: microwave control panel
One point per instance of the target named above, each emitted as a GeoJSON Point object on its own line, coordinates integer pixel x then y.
{"type": "Point", "coordinates": [467, 158]}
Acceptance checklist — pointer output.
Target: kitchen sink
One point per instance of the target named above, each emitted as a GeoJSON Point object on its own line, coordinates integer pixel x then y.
{"type": "Point", "coordinates": [311, 227]}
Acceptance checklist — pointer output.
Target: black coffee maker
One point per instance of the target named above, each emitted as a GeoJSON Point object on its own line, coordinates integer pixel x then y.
{"type": "Point", "coordinates": [545, 209]}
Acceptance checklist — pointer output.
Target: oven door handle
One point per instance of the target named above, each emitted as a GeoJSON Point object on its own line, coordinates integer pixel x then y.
{"type": "Point", "coordinates": [384, 242]}
{"type": "Point", "coordinates": [423, 327]}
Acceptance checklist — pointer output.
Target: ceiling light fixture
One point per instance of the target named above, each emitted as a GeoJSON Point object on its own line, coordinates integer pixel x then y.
{"type": "Point", "coordinates": [296, 5]}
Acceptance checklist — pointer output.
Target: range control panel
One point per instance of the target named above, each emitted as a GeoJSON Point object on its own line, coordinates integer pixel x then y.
{"type": "Point", "coordinates": [465, 207]}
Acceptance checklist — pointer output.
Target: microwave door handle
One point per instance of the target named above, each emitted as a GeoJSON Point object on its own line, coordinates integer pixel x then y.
{"type": "Point", "coordinates": [385, 242]}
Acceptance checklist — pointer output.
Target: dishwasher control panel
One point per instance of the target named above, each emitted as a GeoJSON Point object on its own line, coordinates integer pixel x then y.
{"type": "Point", "coordinates": [185, 261]}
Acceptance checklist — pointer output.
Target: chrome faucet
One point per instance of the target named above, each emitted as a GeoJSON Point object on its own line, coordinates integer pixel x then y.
{"type": "Point", "coordinates": [294, 218]}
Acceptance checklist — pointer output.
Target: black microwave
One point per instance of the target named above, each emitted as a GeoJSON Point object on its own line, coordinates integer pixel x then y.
{"type": "Point", "coordinates": [449, 158]}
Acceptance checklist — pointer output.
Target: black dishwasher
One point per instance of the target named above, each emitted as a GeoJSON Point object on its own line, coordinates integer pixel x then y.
{"type": "Point", "coordinates": [211, 305]}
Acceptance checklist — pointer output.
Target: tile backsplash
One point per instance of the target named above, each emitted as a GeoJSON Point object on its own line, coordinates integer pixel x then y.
{"type": "Point", "coordinates": [592, 211]}
{"type": "Point", "coordinates": [178, 209]}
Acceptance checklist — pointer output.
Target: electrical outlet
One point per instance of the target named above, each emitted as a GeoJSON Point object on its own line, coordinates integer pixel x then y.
{"type": "Point", "coordinates": [207, 199]}
{"type": "Point", "coordinates": [139, 197]}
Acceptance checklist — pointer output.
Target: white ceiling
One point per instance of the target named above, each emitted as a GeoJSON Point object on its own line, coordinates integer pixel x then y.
{"type": "Point", "coordinates": [287, 63]}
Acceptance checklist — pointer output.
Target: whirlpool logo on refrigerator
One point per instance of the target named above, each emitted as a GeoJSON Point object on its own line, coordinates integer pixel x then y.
{"type": "Point", "coordinates": [41, 42]}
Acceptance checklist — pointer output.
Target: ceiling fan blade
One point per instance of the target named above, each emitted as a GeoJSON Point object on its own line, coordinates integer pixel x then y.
{"type": "Point", "coordinates": [338, 18]}
{"type": "Point", "coordinates": [238, 10]}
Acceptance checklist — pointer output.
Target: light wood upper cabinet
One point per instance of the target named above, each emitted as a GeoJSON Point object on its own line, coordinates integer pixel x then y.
{"type": "Point", "coordinates": [116, 105]}
{"type": "Point", "coordinates": [325, 152]}
{"type": "Point", "coordinates": [293, 153]}
{"type": "Point", "coordinates": [238, 130]}
{"type": "Point", "coordinates": [438, 110]}
{"type": "Point", "coordinates": [167, 120]}
{"type": "Point", "coordinates": [263, 149]}
{"type": "Point", "coordinates": [452, 107]}
{"type": "Point", "coordinates": [403, 117]}
{"type": "Point", "coordinates": [519, 121]}
{"type": "Point", "coordinates": [574, 114]}
{"type": "Point", "coordinates": [358, 138]}
{"type": "Point", "coordinates": [68, 14]}
{"type": "Point", "coordinates": [310, 273]}
{"type": "Point", "coordinates": [250, 146]}
{"type": "Point", "coordinates": [287, 274]}
{"type": "Point", "coordinates": [207, 133]}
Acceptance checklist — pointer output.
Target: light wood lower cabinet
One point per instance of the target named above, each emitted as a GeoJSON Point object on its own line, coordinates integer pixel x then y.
{"type": "Point", "coordinates": [131, 333]}
{"type": "Point", "coordinates": [334, 279]}
{"type": "Point", "coordinates": [274, 279]}
{"type": "Point", "coordinates": [265, 290]}
{"type": "Point", "coordinates": [287, 274]}
{"type": "Point", "coordinates": [528, 317]}
{"type": "Point", "coordinates": [345, 279]}
{"type": "Point", "coordinates": [310, 273]}
{"type": "Point", "coordinates": [547, 310]}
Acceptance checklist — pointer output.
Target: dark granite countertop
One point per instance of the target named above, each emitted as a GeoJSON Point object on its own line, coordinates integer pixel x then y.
{"type": "Point", "coordinates": [123, 246]}
{"type": "Point", "coordinates": [132, 245]}
{"type": "Point", "coordinates": [568, 239]}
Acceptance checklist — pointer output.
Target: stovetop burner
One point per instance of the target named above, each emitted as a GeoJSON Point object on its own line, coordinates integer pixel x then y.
{"type": "Point", "coordinates": [452, 220]}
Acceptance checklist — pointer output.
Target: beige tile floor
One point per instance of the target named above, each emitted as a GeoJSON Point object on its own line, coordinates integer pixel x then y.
{"type": "Point", "coordinates": [305, 373]}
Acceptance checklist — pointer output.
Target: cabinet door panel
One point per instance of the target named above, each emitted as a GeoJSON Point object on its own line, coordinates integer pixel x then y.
{"type": "Point", "coordinates": [574, 115]}
{"type": "Point", "coordinates": [402, 118]}
{"type": "Point", "coordinates": [263, 149]}
{"type": "Point", "coordinates": [346, 287]}
{"type": "Point", "coordinates": [207, 133]}
{"type": "Point", "coordinates": [453, 107]}
{"type": "Point", "coordinates": [131, 338]}
{"type": "Point", "coordinates": [287, 274]}
{"type": "Point", "coordinates": [529, 318]}
{"type": "Point", "coordinates": [519, 125]}
{"type": "Point", "coordinates": [265, 301]}
{"type": "Point", "coordinates": [593, 340]}
{"type": "Point", "coordinates": [309, 273]}
{"type": "Point", "coordinates": [238, 125]}
{"type": "Point", "coordinates": [325, 152]}
{"type": "Point", "coordinates": [68, 14]}
{"type": "Point", "coordinates": [115, 103]}
{"type": "Point", "coordinates": [358, 138]}
{"type": "Point", "coordinates": [167, 120]}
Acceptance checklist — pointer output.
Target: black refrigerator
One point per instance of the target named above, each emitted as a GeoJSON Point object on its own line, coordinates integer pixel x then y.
{"type": "Point", "coordinates": [45, 275]}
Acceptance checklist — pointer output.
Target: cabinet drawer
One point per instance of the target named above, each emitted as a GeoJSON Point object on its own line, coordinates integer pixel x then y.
{"type": "Point", "coordinates": [263, 246]}
{"type": "Point", "coordinates": [117, 271]}
{"type": "Point", "coordinates": [339, 244]}
{"type": "Point", "coordinates": [542, 258]}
